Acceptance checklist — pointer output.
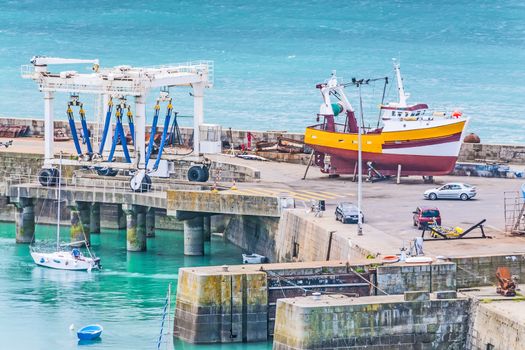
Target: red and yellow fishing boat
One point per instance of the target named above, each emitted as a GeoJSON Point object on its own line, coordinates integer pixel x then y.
{"type": "Point", "coordinates": [410, 139]}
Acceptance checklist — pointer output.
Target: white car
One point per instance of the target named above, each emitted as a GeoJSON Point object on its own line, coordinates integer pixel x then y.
{"type": "Point", "coordinates": [451, 191]}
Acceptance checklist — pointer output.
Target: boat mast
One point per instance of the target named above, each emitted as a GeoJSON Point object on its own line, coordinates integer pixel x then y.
{"type": "Point", "coordinates": [59, 200]}
{"type": "Point", "coordinates": [400, 88]}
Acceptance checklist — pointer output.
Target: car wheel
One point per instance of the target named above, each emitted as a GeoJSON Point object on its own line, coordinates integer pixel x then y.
{"type": "Point", "coordinates": [432, 196]}
{"type": "Point", "coordinates": [463, 197]}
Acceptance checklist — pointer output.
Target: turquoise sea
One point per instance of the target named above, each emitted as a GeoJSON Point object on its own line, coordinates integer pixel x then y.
{"type": "Point", "coordinates": [38, 305]}
{"type": "Point", "coordinates": [270, 54]}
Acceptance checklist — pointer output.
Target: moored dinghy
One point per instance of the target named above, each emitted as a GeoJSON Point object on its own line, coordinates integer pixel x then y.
{"type": "Point", "coordinates": [90, 332]}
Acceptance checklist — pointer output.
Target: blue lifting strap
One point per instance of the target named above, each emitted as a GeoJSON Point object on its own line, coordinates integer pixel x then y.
{"type": "Point", "coordinates": [107, 124]}
{"type": "Point", "coordinates": [163, 138]}
{"type": "Point", "coordinates": [85, 130]}
{"type": "Point", "coordinates": [131, 125]}
{"type": "Point", "coordinates": [73, 129]}
{"type": "Point", "coordinates": [119, 134]}
{"type": "Point", "coordinates": [152, 133]}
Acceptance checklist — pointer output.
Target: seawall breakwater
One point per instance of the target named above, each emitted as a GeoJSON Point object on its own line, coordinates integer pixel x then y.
{"type": "Point", "coordinates": [470, 152]}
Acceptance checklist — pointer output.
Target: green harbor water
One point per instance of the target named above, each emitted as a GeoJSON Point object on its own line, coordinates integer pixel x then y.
{"type": "Point", "coordinates": [38, 305]}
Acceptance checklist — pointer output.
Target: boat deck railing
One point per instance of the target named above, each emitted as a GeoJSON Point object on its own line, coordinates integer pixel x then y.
{"type": "Point", "coordinates": [340, 128]}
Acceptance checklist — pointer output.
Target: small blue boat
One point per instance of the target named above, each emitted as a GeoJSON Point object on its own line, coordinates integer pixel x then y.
{"type": "Point", "coordinates": [91, 332]}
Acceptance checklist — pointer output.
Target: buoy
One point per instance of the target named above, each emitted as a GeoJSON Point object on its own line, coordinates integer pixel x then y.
{"type": "Point", "coordinates": [72, 327]}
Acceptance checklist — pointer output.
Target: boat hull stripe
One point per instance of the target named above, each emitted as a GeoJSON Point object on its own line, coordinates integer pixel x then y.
{"type": "Point", "coordinates": [422, 142]}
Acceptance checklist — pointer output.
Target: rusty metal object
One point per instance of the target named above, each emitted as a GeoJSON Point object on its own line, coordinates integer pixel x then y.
{"type": "Point", "coordinates": [472, 138]}
{"type": "Point", "coordinates": [13, 131]}
{"type": "Point", "coordinates": [506, 285]}
{"type": "Point", "coordinates": [60, 135]}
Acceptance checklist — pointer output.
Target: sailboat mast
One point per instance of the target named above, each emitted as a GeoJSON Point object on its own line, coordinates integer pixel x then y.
{"type": "Point", "coordinates": [59, 201]}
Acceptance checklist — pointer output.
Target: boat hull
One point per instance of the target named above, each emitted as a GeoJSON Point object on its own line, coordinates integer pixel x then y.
{"type": "Point", "coordinates": [63, 261]}
{"type": "Point", "coordinates": [345, 161]}
{"type": "Point", "coordinates": [426, 150]}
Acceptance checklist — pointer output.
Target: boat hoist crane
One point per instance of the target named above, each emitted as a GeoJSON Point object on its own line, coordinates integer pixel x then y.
{"type": "Point", "coordinates": [115, 87]}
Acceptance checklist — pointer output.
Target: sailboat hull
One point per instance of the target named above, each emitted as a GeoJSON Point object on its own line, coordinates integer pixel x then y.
{"type": "Point", "coordinates": [64, 261]}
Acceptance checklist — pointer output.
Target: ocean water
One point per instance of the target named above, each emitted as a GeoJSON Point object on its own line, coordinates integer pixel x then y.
{"type": "Point", "coordinates": [270, 54]}
{"type": "Point", "coordinates": [37, 305]}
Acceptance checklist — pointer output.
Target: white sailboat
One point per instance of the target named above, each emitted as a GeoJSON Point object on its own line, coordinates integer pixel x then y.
{"type": "Point", "coordinates": [61, 258]}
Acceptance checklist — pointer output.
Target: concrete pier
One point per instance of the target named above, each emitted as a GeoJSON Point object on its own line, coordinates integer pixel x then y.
{"type": "Point", "coordinates": [94, 221]}
{"type": "Point", "coordinates": [25, 221]}
{"type": "Point", "coordinates": [218, 223]}
{"type": "Point", "coordinates": [205, 296]}
{"type": "Point", "coordinates": [207, 228]}
{"type": "Point", "coordinates": [80, 222]}
{"type": "Point", "coordinates": [416, 320]}
{"type": "Point", "coordinates": [121, 220]}
{"type": "Point", "coordinates": [221, 307]}
{"type": "Point", "coordinates": [150, 222]}
{"type": "Point", "coordinates": [135, 228]}
{"type": "Point", "coordinates": [194, 236]}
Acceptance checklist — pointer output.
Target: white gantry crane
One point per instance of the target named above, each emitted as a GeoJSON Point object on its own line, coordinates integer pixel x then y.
{"type": "Point", "coordinates": [119, 83]}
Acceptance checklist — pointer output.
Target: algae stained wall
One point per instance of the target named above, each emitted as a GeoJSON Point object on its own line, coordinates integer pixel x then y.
{"type": "Point", "coordinates": [382, 323]}
{"type": "Point", "coordinates": [289, 238]}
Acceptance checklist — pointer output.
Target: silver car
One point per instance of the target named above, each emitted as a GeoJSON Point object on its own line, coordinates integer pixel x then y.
{"type": "Point", "coordinates": [451, 191]}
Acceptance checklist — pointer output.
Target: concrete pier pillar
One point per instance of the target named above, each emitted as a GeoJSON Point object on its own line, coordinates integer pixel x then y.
{"type": "Point", "coordinates": [218, 223]}
{"type": "Point", "coordinates": [207, 228]}
{"type": "Point", "coordinates": [25, 221]}
{"type": "Point", "coordinates": [94, 221]}
{"type": "Point", "coordinates": [194, 236]}
{"type": "Point", "coordinates": [135, 228]}
{"type": "Point", "coordinates": [150, 222]}
{"type": "Point", "coordinates": [80, 222]}
{"type": "Point", "coordinates": [121, 217]}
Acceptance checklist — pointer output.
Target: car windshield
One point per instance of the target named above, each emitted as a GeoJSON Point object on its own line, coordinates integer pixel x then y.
{"type": "Point", "coordinates": [467, 185]}
{"type": "Point", "coordinates": [430, 213]}
{"type": "Point", "coordinates": [349, 210]}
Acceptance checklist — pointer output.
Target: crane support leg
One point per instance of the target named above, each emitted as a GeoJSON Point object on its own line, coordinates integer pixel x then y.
{"type": "Point", "coordinates": [198, 115]}
{"type": "Point", "coordinates": [48, 128]}
{"type": "Point", "coordinates": [140, 136]}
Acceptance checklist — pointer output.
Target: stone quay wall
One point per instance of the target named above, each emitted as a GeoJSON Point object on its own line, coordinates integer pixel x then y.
{"type": "Point", "coordinates": [400, 277]}
{"type": "Point", "coordinates": [221, 307]}
{"type": "Point", "coordinates": [473, 271]}
{"type": "Point", "coordinates": [378, 323]}
{"type": "Point", "coordinates": [493, 326]}
{"type": "Point", "coordinates": [470, 152]}
{"type": "Point", "coordinates": [290, 238]}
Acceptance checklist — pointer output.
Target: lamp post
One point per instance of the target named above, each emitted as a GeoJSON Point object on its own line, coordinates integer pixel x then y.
{"type": "Point", "coordinates": [359, 166]}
